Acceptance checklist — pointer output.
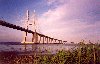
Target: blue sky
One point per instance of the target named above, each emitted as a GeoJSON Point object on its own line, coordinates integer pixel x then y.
{"type": "Point", "coordinates": [10, 8]}
{"type": "Point", "coordinates": [71, 20]}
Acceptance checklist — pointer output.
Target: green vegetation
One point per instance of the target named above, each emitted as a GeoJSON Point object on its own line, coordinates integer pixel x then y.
{"type": "Point", "coordinates": [84, 54]}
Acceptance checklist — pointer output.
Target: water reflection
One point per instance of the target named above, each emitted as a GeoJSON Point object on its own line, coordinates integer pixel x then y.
{"type": "Point", "coordinates": [15, 54]}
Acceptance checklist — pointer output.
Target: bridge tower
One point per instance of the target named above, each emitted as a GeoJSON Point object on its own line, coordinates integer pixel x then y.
{"type": "Point", "coordinates": [34, 35]}
{"type": "Point", "coordinates": [26, 26]}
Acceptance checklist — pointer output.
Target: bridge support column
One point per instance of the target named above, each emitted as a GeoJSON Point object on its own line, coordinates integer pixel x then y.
{"type": "Point", "coordinates": [52, 40]}
{"type": "Point", "coordinates": [58, 41]}
{"type": "Point", "coordinates": [32, 37]}
{"type": "Point", "coordinates": [35, 38]}
{"type": "Point", "coordinates": [40, 40]}
{"type": "Point", "coordinates": [61, 41]}
{"type": "Point", "coordinates": [47, 39]}
{"type": "Point", "coordinates": [43, 39]}
{"type": "Point", "coordinates": [55, 40]}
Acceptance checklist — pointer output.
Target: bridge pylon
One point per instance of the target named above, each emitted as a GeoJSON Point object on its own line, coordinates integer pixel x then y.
{"type": "Point", "coordinates": [34, 35]}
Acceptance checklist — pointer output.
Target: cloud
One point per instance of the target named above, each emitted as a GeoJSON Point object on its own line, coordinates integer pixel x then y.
{"type": "Point", "coordinates": [70, 21]}
{"type": "Point", "coordinates": [50, 1]}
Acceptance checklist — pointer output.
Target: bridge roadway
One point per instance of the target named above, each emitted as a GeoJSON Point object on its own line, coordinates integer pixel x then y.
{"type": "Point", "coordinates": [4, 23]}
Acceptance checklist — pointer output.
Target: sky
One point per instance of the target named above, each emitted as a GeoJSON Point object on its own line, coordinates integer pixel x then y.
{"type": "Point", "coordinates": [70, 20]}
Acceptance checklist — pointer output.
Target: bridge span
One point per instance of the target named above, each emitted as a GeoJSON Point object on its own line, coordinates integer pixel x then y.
{"type": "Point", "coordinates": [41, 37]}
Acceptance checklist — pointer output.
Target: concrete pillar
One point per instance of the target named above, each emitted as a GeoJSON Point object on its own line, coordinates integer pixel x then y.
{"type": "Point", "coordinates": [32, 37]}
{"type": "Point", "coordinates": [61, 41]}
{"type": "Point", "coordinates": [58, 41]}
{"type": "Point", "coordinates": [43, 39]}
{"type": "Point", "coordinates": [35, 38]}
{"type": "Point", "coordinates": [47, 39]}
{"type": "Point", "coordinates": [40, 40]}
{"type": "Point", "coordinates": [52, 40]}
{"type": "Point", "coordinates": [55, 40]}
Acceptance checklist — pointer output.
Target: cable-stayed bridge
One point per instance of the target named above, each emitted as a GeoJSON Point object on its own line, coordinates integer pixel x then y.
{"type": "Point", "coordinates": [40, 43]}
{"type": "Point", "coordinates": [37, 37]}
{"type": "Point", "coordinates": [41, 37]}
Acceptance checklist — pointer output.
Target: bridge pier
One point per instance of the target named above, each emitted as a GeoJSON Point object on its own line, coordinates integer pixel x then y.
{"type": "Point", "coordinates": [55, 40]}
{"type": "Point", "coordinates": [47, 39]}
{"type": "Point", "coordinates": [43, 39]}
{"type": "Point", "coordinates": [35, 37]}
{"type": "Point", "coordinates": [52, 40]}
{"type": "Point", "coordinates": [40, 39]}
{"type": "Point", "coordinates": [59, 41]}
